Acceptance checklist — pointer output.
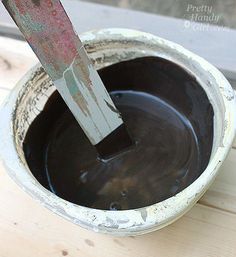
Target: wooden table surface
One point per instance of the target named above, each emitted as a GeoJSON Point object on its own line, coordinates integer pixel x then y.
{"type": "Point", "coordinates": [29, 230]}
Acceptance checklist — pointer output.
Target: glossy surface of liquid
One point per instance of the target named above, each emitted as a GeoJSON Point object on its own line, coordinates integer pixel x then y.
{"type": "Point", "coordinates": [159, 165]}
{"type": "Point", "coordinates": [168, 154]}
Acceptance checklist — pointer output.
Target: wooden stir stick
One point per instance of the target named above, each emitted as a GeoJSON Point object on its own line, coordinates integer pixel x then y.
{"type": "Point", "coordinates": [50, 33]}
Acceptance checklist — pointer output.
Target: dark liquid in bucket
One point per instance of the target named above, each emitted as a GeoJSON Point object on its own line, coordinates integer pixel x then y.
{"type": "Point", "coordinates": [166, 158]}
{"type": "Point", "coordinates": [159, 165]}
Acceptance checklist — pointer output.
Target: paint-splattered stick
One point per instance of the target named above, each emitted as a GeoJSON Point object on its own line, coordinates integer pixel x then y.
{"type": "Point", "coordinates": [48, 30]}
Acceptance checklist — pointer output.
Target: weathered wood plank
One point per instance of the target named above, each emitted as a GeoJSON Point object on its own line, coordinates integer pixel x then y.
{"type": "Point", "coordinates": [215, 44]}
{"type": "Point", "coordinates": [222, 193]}
{"type": "Point", "coordinates": [16, 58]}
{"type": "Point", "coordinates": [26, 228]}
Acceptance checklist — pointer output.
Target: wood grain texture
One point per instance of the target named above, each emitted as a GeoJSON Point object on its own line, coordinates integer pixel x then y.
{"type": "Point", "coordinates": [222, 194]}
{"type": "Point", "coordinates": [16, 58]}
{"type": "Point", "coordinates": [28, 229]}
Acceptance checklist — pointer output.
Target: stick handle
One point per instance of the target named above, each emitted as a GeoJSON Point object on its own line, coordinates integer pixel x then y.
{"type": "Point", "coordinates": [48, 30]}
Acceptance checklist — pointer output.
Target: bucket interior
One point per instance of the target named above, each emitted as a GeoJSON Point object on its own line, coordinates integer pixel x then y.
{"type": "Point", "coordinates": [167, 112]}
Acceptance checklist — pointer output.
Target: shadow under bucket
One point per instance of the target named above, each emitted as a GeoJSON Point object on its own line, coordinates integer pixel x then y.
{"type": "Point", "coordinates": [178, 109]}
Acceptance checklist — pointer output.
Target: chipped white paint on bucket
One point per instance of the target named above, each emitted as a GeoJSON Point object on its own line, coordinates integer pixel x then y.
{"type": "Point", "coordinates": [107, 47]}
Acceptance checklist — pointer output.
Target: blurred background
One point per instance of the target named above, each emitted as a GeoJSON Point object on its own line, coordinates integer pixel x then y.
{"type": "Point", "coordinates": [217, 12]}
